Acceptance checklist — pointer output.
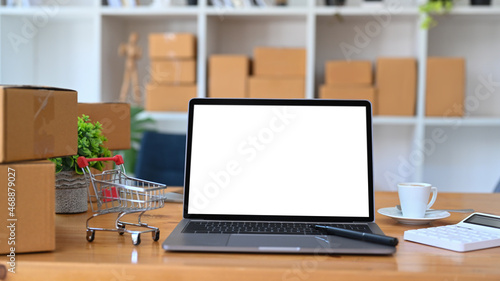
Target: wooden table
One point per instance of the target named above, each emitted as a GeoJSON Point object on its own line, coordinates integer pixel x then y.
{"type": "Point", "coordinates": [114, 257]}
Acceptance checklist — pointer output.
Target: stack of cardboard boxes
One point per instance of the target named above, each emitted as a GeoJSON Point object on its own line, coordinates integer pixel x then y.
{"type": "Point", "coordinates": [37, 123]}
{"type": "Point", "coordinates": [395, 88]}
{"type": "Point", "coordinates": [349, 80]}
{"type": "Point", "coordinates": [173, 71]}
{"type": "Point", "coordinates": [396, 80]}
{"type": "Point", "coordinates": [278, 73]}
{"type": "Point", "coordinates": [40, 123]}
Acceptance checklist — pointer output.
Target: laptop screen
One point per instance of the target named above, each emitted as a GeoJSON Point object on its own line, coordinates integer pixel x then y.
{"type": "Point", "coordinates": [279, 159]}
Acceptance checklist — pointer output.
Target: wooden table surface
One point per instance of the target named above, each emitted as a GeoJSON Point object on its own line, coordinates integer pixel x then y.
{"type": "Point", "coordinates": [114, 257]}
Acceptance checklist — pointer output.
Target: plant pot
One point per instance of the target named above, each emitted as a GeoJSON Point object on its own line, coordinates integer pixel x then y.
{"type": "Point", "coordinates": [335, 2]}
{"type": "Point", "coordinates": [71, 193]}
{"type": "Point", "coordinates": [480, 2]}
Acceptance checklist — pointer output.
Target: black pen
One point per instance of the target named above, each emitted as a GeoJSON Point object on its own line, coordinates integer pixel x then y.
{"type": "Point", "coordinates": [368, 237]}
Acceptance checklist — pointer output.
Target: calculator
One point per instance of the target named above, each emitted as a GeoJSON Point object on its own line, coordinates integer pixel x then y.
{"type": "Point", "coordinates": [477, 231]}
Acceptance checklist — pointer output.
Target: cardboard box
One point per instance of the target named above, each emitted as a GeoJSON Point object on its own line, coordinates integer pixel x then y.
{"type": "Point", "coordinates": [281, 62]}
{"type": "Point", "coordinates": [396, 80]}
{"type": "Point", "coordinates": [228, 76]}
{"type": "Point", "coordinates": [32, 189]}
{"type": "Point", "coordinates": [279, 88]}
{"type": "Point", "coordinates": [37, 123]}
{"type": "Point", "coordinates": [350, 93]}
{"type": "Point", "coordinates": [115, 120]}
{"type": "Point", "coordinates": [348, 73]}
{"type": "Point", "coordinates": [173, 71]}
{"type": "Point", "coordinates": [172, 46]}
{"type": "Point", "coordinates": [169, 97]}
{"type": "Point", "coordinates": [445, 89]}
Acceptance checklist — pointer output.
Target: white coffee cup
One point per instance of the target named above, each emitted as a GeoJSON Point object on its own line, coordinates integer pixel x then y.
{"type": "Point", "coordinates": [414, 198]}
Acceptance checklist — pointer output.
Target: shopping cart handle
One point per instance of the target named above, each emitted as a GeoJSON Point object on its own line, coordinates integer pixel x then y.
{"type": "Point", "coordinates": [84, 162]}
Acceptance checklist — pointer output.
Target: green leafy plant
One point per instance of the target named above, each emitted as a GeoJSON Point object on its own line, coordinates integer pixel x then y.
{"type": "Point", "coordinates": [90, 145]}
{"type": "Point", "coordinates": [434, 7]}
{"type": "Point", "coordinates": [138, 125]}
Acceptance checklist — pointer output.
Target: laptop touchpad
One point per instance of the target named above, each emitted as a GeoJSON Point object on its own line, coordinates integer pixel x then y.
{"type": "Point", "coordinates": [263, 240]}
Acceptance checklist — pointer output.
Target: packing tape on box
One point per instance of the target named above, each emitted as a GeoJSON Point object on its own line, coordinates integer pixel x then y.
{"type": "Point", "coordinates": [44, 115]}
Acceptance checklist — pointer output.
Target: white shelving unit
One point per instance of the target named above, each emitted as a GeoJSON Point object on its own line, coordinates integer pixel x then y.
{"type": "Point", "coordinates": [73, 44]}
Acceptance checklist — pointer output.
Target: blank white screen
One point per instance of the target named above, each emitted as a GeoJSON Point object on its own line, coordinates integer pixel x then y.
{"type": "Point", "coordinates": [279, 161]}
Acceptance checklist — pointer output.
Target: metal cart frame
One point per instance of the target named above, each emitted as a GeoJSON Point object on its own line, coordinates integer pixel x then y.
{"type": "Point", "coordinates": [115, 192]}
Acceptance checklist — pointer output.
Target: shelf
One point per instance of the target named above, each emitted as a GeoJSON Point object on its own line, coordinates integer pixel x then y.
{"type": "Point", "coordinates": [157, 115]}
{"type": "Point", "coordinates": [393, 120]}
{"type": "Point", "coordinates": [466, 121]}
{"type": "Point", "coordinates": [260, 11]}
{"type": "Point", "coordinates": [149, 11]}
{"type": "Point", "coordinates": [42, 12]}
{"type": "Point", "coordinates": [274, 11]}
{"type": "Point", "coordinates": [479, 10]}
{"type": "Point", "coordinates": [81, 39]}
{"type": "Point", "coordinates": [377, 120]}
{"type": "Point", "coordinates": [167, 122]}
{"type": "Point", "coordinates": [365, 11]}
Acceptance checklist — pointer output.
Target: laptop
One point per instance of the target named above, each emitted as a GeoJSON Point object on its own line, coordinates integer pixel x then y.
{"type": "Point", "coordinates": [261, 173]}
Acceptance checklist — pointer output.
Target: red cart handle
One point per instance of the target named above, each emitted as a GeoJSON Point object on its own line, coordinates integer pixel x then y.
{"type": "Point", "coordinates": [84, 162]}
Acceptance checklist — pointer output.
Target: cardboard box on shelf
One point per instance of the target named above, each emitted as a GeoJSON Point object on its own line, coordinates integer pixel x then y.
{"type": "Point", "coordinates": [445, 89]}
{"type": "Point", "coordinates": [31, 219]}
{"type": "Point", "coordinates": [37, 123]}
{"type": "Point", "coordinates": [172, 46]}
{"type": "Point", "coordinates": [228, 76]}
{"type": "Point", "coordinates": [274, 87]}
{"type": "Point", "coordinates": [115, 120]}
{"type": "Point", "coordinates": [349, 72]}
{"type": "Point", "coordinates": [396, 81]}
{"type": "Point", "coordinates": [169, 97]}
{"type": "Point", "coordinates": [173, 71]}
{"type": "Point", "coordinates": [350, 92]}
{"type": "Point", "coordinates": [281, 62]}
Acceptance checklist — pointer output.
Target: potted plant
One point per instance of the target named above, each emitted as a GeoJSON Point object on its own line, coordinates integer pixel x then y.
{"type": "Point", "coordinates": [71, 186]}
{"type": "Point", "coordinates": [434, 7]}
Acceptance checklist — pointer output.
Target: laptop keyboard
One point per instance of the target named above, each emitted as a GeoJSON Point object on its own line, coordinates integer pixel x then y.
{"type": "Point", "coordinates": [231, 227]}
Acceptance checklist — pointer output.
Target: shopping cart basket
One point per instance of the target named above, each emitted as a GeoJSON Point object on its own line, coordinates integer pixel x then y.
{"type": "Point", "coordinates": [115, 192]}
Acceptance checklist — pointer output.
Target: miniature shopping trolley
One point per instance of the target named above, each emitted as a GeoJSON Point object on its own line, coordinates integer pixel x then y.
{"type": "Point", "coordinates": [115, 192]}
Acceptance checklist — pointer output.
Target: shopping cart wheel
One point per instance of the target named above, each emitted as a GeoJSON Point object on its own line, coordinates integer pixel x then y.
{"type": "Point", "coordinates": [120, 227]}
{"type": "Point", "coordinates": [136, 238]}
{"type": "Point", "coordinates": [156, 235]}
{"type": "Point", "coordinates": [90, 235]}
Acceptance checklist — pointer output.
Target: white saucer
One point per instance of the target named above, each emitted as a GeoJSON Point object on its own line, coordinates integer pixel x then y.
{"type": "Point", "coordinates": [396, 214]}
